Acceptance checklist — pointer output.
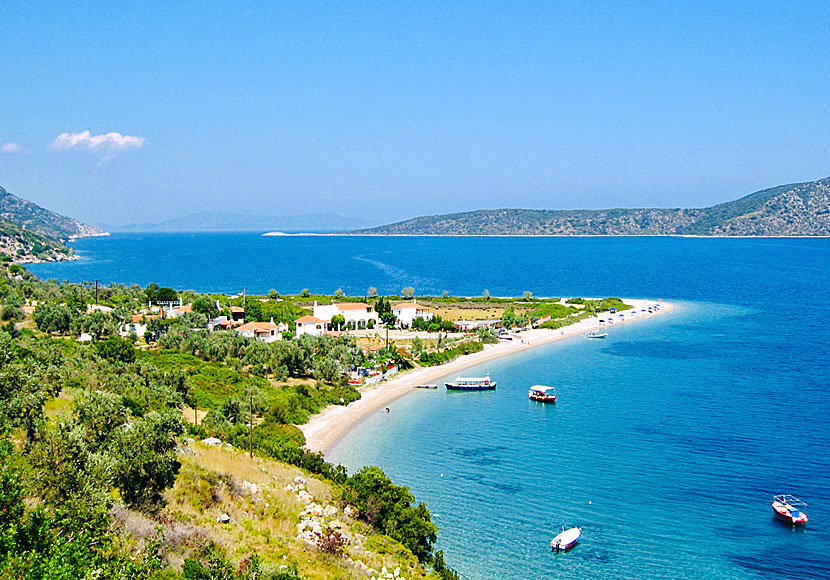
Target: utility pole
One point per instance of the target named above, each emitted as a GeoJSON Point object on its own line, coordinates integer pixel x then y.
{"type": "Point", "coordinates": [251, 430]}
{"type": "Point", "coordinates": [96, 292]}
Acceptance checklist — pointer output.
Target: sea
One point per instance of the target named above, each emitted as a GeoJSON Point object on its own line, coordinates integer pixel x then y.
{"type": "Point", "coordinates": [668, 439]}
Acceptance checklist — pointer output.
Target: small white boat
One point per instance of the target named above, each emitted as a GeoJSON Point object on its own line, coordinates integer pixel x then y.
{"type": "Point", "coordinates": [597, 334]}
{"type": "Point", "coordinates": [566, 539]}
{"type": "Point", "coordinates": [471, 384]}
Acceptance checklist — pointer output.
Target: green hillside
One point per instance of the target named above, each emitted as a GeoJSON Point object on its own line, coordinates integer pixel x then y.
{"type": "Point", "coordinates": [800, 209]}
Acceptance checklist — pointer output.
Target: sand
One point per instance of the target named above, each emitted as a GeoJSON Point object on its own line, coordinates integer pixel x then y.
{"type": "Point", "coordinates": [326, 428]}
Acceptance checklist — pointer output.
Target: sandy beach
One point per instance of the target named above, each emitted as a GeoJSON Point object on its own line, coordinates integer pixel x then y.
{"type": "Point", "coordinates": [324, 429]}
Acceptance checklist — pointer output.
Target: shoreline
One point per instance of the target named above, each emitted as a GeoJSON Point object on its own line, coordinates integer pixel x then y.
{"type": "Point", "coordinates": [325, 429]}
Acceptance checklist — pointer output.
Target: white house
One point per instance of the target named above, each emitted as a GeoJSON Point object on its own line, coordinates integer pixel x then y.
{"type": "Point", "coordinates": [406, 312]}
{"type": "Point", "coordinates": [137, 324]}
{"type": "Point", "coordinates": [310, 325]}
{"type": "Point", "coordinates": [356, 312]}
{"type": "Point", "coordinates": [262, 331]}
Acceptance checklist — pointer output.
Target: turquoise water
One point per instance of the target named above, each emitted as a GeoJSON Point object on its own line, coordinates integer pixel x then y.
{"type": "Point", "coordinates": [669, 437]}
{"type": "Point", "coordinates": [665, 445]}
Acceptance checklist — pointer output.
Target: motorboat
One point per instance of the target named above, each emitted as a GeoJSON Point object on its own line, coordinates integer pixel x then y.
{"type": "Point", "coordinates": [542, 394]}
{"type": "Point", "coordinates": [597, 334]}
{"type": "Point", "coordinates": [790, 509]}
{"type": "Point", "coordinates": [566, 539]}
{"type": "Point", "coordinates": [471, 384]}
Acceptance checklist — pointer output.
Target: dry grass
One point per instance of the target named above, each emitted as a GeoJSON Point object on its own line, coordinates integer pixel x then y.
{"type": "Point", "coordinates": [215, 481]}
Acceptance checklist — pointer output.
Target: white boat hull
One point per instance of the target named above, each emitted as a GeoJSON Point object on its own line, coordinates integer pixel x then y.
{"type": "Point", "coordinates": [565, 540]}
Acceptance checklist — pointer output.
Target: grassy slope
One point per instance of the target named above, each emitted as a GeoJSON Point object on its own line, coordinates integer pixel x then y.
{"type": "Point", "coordinates": [215, 481]}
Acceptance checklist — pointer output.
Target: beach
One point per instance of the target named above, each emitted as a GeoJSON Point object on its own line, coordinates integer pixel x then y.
{"type": "Point", "coordinates": [326, 428]}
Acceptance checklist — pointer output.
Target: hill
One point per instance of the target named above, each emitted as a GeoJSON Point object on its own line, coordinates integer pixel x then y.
{"type": "Point", "coordinates": [800, 209]}
{"type": "Point", "coordinates": [24, 246]}
{"type": "Point", "coordinates": [30, 233]}
{"type": "Point", "coordinates": [32, 217]}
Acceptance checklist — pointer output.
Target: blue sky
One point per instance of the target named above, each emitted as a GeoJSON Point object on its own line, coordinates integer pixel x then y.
{"type": "Point", "coordinates": [395, 109]}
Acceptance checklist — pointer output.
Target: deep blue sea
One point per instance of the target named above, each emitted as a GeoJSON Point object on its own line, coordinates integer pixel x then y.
{"type": "Point", "coordinates": [668, 439]}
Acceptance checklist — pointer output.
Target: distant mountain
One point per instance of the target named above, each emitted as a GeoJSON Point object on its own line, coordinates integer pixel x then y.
{"type": "Point", "coordinates": [32, 217]}
{"type": "Point", "coordinates": [800, 209]}
{"type": "Point", "coordinates": [214, 221]}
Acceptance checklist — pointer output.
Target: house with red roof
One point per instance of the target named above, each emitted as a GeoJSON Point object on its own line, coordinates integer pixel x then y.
{"type": "Point", "coordinates": [406, 312]}
{"type": "Point", "coordinates": [359, 313]}
{"type": "Point", "coordinates": [310, 325]}
{"type": "Point", "coordinates": [262, 331]}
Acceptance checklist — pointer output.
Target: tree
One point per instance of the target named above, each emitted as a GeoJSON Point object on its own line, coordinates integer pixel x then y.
{"type": "Point", "coordinates": [147, 459]}
{"type": "Point", "coordinates": [166, 295]}
{"type": "Point", "coordinates": [372, 292]}
{"type": "Point", "coordinates": [408, 292]}
{"type": "Point", "coordinates": [116, 349]}
{"type": "Point", "coordinates": [338, 293]}
{"type": "Point", "coordinates": [338, 320]}
{"type": "Point", "coordinates": [486, 294]}
{"type": "Point", "coordinates": [205, 306]}
{"type": "Point", "coordinates": [253, 311]}
{"type": "Point", "coordinates": [528, 296]}
{"type": "Point", "coordinates": [305, 293]}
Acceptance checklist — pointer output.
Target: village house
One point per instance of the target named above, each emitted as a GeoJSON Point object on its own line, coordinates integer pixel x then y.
{"type": "Point", "coordinates": [353, 312]}
{"type": "Point", "coordinates": [262, 331]}
{"type": "Point", "coordinates": [310, 325]}
{"type": "Point", "coordinates": [406, 312]}
{"type": "Point", "coordinates": [137, 324]}
{"type": "Point", "coordinates": [237, 313]}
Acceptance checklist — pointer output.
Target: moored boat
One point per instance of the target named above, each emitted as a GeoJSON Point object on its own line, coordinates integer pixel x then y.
{"type": "Point", "coordinates": [790, 509]}
{"type": "Point", "coordinates": [471, 384]}
{"type": "Point", "coordinates": [566, 539]}
{"type": "Point", "coordinates": [542, 394]}
{"type": "Point", "coordinates": [597, 334]}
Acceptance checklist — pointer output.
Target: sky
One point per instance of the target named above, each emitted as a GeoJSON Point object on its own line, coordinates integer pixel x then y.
{"type": "Point", "coordinates": [118, 113]}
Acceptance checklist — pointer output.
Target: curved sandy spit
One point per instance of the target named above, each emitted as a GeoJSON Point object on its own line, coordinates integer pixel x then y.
{"type": "Point", "coordinates": [326, 428]}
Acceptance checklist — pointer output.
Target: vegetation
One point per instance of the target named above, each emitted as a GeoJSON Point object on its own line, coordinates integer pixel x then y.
{"type": "Point", "coordinates": [91, 454]}
{"type": "Point", "coordinates": [789, 210]}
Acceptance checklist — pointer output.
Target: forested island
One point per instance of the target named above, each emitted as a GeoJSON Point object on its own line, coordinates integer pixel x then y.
{"type": "Point", "coordinates": [800, 209]}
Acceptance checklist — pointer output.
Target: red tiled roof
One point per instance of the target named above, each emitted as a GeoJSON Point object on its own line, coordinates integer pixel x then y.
{"type": "Point", "coordinates": [311, 319]}
{"type": "Point", "coordinates": [352, 306]}
{"type": "Point", "coordinates": [237, 309]}
{"type": "Point", "coordinates": [258, 326]}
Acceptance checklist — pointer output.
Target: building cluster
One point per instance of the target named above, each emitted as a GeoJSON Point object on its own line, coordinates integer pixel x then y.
{"type": "Point", "coordinates": [325, 318]}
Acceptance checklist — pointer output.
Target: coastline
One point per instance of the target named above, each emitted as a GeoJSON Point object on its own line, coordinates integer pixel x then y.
{"type": "Point", "coordinates": [325, 429]}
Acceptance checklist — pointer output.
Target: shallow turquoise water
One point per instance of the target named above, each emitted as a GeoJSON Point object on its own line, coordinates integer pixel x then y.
{"type": "Point", "coordinates": [669, 437]}
{"type": "Point", "coordinates": [665, 446]}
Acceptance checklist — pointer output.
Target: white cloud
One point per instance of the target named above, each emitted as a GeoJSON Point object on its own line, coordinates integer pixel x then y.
{"type": "Point", "coordinates": [105, 141]}
{"type": "Point", "coordinates": [11, 148]}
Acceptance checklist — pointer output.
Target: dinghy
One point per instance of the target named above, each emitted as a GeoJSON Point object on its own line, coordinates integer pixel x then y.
{"type": "Point", "coordinates": [565, 540]}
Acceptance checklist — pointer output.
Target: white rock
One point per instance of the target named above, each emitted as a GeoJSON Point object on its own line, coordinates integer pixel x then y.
{"type": "Point", "coordinates": [329, 511]}
{"type": "Point", "coordinates": [396, 572]}
{"type": "Point", "coordinates": [350, 511]}
{"type": "Point", "coordinates": [300, 480]}
{"type": "Point", "coordinates": [212, 441]}
{"type": "Point", "coordinates": [223, 519]}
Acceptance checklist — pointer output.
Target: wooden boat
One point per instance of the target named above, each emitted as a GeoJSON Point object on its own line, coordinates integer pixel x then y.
{"type": "Point", "coordinates": [596, 334]}
{"type": "Point", "coordinates": [542, 394]}
{"type": "Point", "coordinates": [789, 509]}
{"type": "Point", "coordinates": [566, 539]}
{"type": "Point", "coordinates": [471, 384]}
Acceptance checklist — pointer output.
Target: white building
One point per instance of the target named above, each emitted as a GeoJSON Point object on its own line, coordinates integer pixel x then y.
{"type": "Point", "coordinates": [357, 312]}
{"type": "Point", "coordinates": [310, 325]}
{"type": "Point", "coordinates": [406, 312]}
{"type": "Point", "coordinates": [262, 331]}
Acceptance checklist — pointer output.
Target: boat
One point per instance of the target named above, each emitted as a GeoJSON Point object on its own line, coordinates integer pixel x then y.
{"type": "Point", "coordinates": [597, 334]}
{"type": "Point", "coordinates": [542, 394]}
{"type": "Point", "coordinates": [426, 386]}
{"type": "Point", "coordinates": [565, 540]}
{"type": "Point", "coordinates": [789, 509]}
{"type": "Point", "coordinates": [471, 384]}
